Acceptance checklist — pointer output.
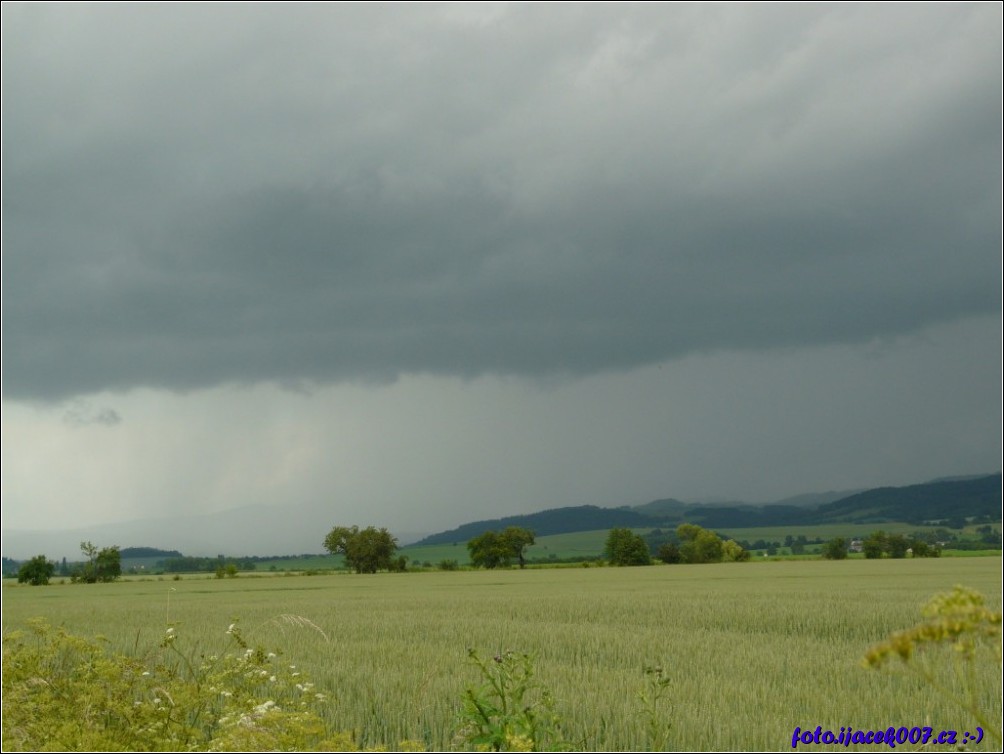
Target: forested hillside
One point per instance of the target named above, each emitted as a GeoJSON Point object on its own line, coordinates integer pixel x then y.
{"type": "Point", "coordinates": [942, 501]}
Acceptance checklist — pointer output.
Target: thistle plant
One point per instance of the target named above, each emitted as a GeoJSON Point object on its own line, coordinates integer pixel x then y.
{"type": "Point", "coordinates": [510, 711]}
{"type": "Point", "coordinates": [651, 700]}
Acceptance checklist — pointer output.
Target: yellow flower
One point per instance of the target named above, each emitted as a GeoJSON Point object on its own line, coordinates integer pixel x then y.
{"type": "Point", "coordinates": [517, 742]}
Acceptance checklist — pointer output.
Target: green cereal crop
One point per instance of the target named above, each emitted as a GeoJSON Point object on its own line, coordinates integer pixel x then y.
{"type": "Point", "coordinates": [748, 652]}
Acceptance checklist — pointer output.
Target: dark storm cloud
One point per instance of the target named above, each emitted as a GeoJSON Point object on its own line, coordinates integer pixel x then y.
{"type": "Point", "coordinates": [210, 194]}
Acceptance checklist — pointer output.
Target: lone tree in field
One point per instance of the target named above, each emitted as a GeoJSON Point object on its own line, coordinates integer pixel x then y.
{"type": "Point", "coordinates": [699, 544]}
{"type": "Point", "coordinates": [835, 549]}
{"type": "Point", "coordinates": [486, 551]}
{"type": "Point", "coordinates": [493, 549]}
{"type": "Point", "coordinates": [516, 539]}
{"type": "Point", "coordinates": [874, 545]}
{"type": "Point", "coordinates": [36, 571]}
{"type": "Point", "coordinates": [102, 565]}
{"type": "Point", "coordinates": [625, 548]}
{"type": "Point", "coordinates": [366, 551]}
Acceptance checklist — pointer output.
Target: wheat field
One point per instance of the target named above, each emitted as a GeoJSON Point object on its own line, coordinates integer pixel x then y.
{"type": "Point", "coordinates": [751, 650]}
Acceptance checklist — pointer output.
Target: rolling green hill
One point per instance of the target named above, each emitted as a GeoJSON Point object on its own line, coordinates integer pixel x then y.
{"type": "Point", "coordinates": [953, 501]}
{"type": "Point", "coordinates": [935, 501]}
{"type": "Point", "coordinates": [553, 521]}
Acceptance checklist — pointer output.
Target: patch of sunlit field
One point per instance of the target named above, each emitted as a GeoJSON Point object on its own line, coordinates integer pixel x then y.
{"type": "Point", "coordinates": [751, 651]}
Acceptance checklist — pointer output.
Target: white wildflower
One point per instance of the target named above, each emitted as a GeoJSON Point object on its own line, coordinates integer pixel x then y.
{"type": "Point", "coordinates": [264, 707]}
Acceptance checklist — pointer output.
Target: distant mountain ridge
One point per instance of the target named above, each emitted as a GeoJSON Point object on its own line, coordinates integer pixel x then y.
{"type": "Point", "coordinates": [814, 499]}
{"type": "Point", "coordinates": [941, 500]}
{"type": "Point", "coordinates": [921, 502]}
{"type": "Point", "coordinates": [544, 523]}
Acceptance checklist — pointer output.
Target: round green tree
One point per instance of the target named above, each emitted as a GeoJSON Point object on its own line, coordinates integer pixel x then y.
{"type": "Point", "coordinates": [36, 571]}
{"type": "Point", "coordinates": [492, 549]}
{"type": "Point", "coordinates": [835, 549]}
{"type": "Point", "coordinates": [366, 551]}
{"type": "Point", "coordinates": [625, 548]}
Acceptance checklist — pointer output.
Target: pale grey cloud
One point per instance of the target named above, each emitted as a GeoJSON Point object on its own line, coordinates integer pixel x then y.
{"type": "Point", "coordinates": [212, 194]}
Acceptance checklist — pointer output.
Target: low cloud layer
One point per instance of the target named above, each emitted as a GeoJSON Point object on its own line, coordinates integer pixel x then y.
{"type": "Point", "coordinates": [207, 195]}
{"type": "Point", "coordinates": [428, 454]}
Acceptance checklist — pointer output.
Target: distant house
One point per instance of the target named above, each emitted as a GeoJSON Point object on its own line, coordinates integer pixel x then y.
{"type": "Point", "coordinates": [856, 545]}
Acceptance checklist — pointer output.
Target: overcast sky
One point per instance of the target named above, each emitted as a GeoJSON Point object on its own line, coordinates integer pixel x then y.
{"type": "Point", "coordinates": [419, 265]}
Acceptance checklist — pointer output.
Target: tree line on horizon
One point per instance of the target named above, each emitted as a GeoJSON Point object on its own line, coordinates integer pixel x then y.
{"type": "Point", "coordinates": [102, 565]}
{"type": "Point", "coordinates": [370, 550]}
